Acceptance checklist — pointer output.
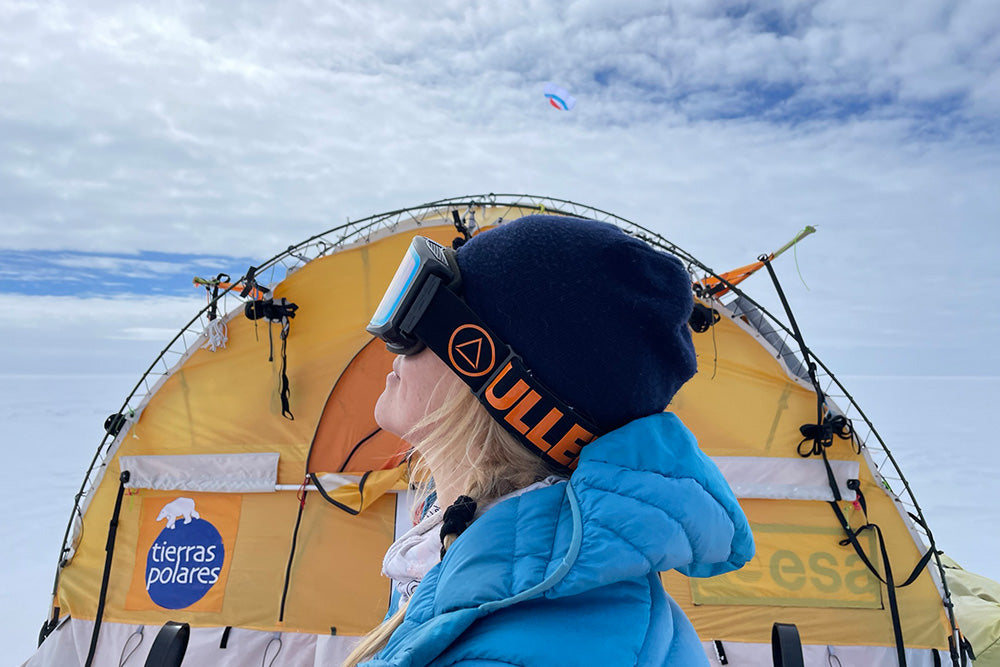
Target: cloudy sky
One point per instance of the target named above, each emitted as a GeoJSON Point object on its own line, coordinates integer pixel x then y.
{"type": "Point", "coordinates": [143, 144]}
{"type": "Point", "coordinates": [139, 142]}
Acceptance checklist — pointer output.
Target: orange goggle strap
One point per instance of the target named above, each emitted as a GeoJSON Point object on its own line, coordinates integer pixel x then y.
{"type": "Point", "coordinates": [496, 375]}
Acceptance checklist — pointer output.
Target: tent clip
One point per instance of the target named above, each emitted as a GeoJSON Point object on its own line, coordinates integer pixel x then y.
{"type": "Point", "coordinates": [703, 318]}
{"type": "Point", "coordinates": [462, 229]}
{"type": "Point", "coordinates": [720, 653]}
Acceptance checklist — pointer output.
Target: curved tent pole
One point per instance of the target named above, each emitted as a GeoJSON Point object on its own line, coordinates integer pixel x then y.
{"type": "Point", "coordinates": [352, 231]}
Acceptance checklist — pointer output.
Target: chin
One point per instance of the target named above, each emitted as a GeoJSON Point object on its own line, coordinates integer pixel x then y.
{"type": "Point", "coordinates": [381, 418]}
{"type": "Point", "coordinates": [385, 417]}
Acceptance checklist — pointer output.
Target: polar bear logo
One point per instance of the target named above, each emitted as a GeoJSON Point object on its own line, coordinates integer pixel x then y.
{"type": "Point", "coordinates": [178, 507]}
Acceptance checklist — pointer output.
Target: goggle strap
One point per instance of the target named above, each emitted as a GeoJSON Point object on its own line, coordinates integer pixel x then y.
{"type": "Point", "coordinates": [499, 379]}
{"type": "Point", "coordinates": [424, 298]}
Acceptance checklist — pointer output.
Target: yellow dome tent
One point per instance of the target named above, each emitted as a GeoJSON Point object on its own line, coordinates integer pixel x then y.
{"type": "Point", "coordinates": [244, 487]}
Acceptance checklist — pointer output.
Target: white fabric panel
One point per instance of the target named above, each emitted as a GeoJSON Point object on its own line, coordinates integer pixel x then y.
{"type": "Point", "coordinates": [786, 479]}
{"type": "Point", "coordinates": [219, 473]}
{"type": "Point", "coordinates": [740, 654]}
{"type": "Point", "coordinates": [68, 646]}
{"type": "Point", "coordinates": [332, 481]}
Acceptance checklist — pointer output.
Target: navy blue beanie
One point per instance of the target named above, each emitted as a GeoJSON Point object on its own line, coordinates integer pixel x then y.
{"type": "Point", "coordinates": [600, 317]}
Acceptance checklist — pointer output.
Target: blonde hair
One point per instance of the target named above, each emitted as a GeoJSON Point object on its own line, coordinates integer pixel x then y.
{"type": "Point", "coordinates": [460, 440]}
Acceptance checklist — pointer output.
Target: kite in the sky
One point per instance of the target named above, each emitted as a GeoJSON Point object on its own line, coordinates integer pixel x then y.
{"type": "Point", "coordinates": [559, 97]}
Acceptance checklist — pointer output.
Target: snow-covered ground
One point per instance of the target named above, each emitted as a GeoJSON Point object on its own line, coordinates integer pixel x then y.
{"type": "Point", "coordinates": [937, 427]}
{"type": "Point", "coordinates": [52, 426]}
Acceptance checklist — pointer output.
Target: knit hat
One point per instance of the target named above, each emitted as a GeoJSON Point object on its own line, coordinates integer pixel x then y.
{"type": "Point", "coordinates": [600, 317]}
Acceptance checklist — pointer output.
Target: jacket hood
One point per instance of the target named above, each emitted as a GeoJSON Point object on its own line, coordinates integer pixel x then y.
{"type": "Point", "coordinates": [644, 498]}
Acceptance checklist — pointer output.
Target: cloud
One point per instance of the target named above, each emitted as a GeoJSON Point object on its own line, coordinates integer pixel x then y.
{"type": "Point", "coordinates": [157, 334]}
{"type": "Point", "coordinates": [187, 125]}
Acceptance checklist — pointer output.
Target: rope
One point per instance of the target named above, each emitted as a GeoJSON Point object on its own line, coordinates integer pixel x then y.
{"type": "Point", "coordinates": [263, 660]}
{"type": "Point", "coordinates": [795, 255]}
{"type": "Point", "coordinates": [125, 656]}
{"type": "Point", "coordinates": [821, 435]}
{"type": "Point", "coordinates": [218, 335]}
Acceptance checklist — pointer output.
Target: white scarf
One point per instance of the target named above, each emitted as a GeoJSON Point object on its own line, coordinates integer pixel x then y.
{"type": "Point", "coordinates": [419, 549]}
{"type": "Point", "coordinates": [414, 554]}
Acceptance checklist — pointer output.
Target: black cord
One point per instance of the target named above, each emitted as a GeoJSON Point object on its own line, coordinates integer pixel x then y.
{"type": "Point", "coordinates": [822, 435]}
{"type": "Point", "coordinates": [124, 658]}
{"type": "Point", "coordinates": [263, 659]}
{"type": "Point", "coordinates": [291, 556]}
{"type": "Point", "coordinates": [109, 547]}
{"type": "Point", "coordinates": [354, 451]}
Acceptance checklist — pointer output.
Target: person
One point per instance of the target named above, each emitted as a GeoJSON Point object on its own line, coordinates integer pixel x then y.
{"type": "Point", "coordinates": [535, 363]}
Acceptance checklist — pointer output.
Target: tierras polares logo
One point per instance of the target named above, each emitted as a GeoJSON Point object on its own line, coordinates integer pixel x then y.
{"type": "Point", "coordinates": [186, 558]}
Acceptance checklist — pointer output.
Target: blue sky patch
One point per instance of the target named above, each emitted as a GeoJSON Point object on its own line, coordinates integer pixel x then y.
{"type": "Point", "coordinates": [93, 274]}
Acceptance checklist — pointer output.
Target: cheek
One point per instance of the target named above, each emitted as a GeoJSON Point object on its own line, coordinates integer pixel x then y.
{"type": "Point", "coordinates": [420, 387]}
{"type": "Point", "coordinates": [399, 406]}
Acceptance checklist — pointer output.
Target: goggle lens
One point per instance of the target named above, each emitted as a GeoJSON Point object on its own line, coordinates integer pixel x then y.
{"type": "Point", "coordinates": [393, 296]}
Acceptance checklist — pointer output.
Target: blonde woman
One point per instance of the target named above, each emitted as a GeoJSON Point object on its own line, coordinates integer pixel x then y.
{"type": "Point", "coordinates": [535, 362]}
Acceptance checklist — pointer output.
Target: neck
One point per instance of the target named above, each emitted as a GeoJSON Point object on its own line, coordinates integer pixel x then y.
{"type": "Point", "coordinates": [447, 491]}
{"type": "Point", "coordinates": [450, 482]}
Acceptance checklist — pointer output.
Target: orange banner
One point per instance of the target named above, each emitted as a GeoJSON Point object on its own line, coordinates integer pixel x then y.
{"type": "Point", "coordinates": [185, 546]}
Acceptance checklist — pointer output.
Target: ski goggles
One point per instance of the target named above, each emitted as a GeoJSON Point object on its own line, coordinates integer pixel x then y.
{"type": "Point", "coordinates": [422, 308]}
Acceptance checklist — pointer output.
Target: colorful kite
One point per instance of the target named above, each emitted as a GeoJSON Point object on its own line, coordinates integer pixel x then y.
{"type": "Point", "coordinates": [559, 97]}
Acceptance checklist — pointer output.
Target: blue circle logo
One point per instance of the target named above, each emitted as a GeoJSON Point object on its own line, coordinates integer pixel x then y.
{"type": "Point", "coordinates": [184, 563]}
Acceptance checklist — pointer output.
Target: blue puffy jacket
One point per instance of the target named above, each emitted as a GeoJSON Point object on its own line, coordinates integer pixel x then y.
{"type": "Point", "coordinates": [568, 574]}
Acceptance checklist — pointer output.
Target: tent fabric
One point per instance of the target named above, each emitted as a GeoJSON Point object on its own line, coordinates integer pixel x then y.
{"type": "Point", "coordinates": [290, 563]}
{"type": "Point", "coordinates": [68, 646]}
{"type": "Point", "coordinates": [228, 402]}
{"type": "Point", "coordinates": [358, 493]}
{"type": "Point", "coordinates": [807, 568]}
{"type": "Point", "coordinates": [977, 606]}
{"type": "Point", "coordinates": [219, 473]}
{"type": "Point", "coordinates": [348, 439]}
